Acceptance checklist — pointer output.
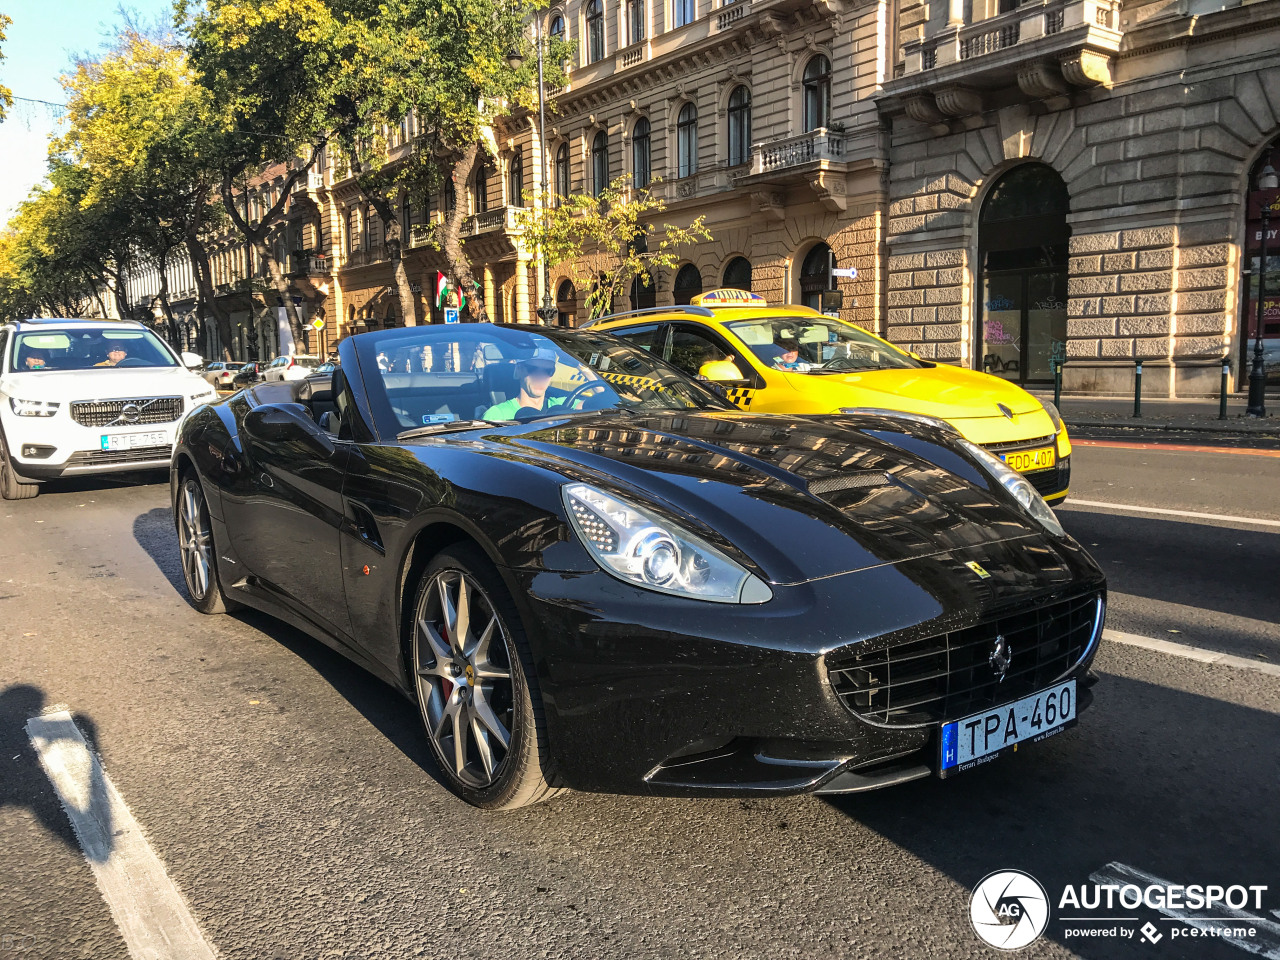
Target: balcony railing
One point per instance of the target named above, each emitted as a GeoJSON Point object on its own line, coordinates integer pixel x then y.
{"type": "Point", "coordinates": [423, 234]}
{"type": "Point", "coordinates": [731, 15]}
{"type": "Point", "coordinates": [311, 265]}
{"type": "Point", "coordinates": [989, 41]}
{"type": "Point", "coordinates": [492, 221]}
{"type": "Point", "coordinates": [775, 155]}
{"type": "Point", "coordinates": [362, 258]}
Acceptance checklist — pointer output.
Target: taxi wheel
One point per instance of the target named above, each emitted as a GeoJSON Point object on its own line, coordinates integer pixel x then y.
{"type": "Point", "coordinates": [13, 487]}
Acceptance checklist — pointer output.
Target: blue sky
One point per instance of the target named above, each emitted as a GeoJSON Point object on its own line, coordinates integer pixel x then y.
{"type": "Point", "coordinates": [42, 42]}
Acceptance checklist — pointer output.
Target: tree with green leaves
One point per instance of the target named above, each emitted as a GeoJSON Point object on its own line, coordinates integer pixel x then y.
{"type": "Point", "coordinates": [609, 241]}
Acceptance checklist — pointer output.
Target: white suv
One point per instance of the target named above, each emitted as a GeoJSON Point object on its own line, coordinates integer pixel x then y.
{"type": "Point", "coordinates": [290, 368]}
{"type": "Point", "coordinates": [88, 396]}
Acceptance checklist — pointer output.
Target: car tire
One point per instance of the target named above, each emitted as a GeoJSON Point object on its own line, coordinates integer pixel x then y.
{"type": "Point", "coordinates": [13, 487]}
{"type": "Point", "coordinates": [478, 683]}
{"type": "Point", "coordinates": [196, 547]}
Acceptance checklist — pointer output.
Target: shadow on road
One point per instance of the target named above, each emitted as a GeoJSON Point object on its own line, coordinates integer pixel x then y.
{"type": "Point", "coordinates": [1178, 785]}
{"type": "Point", "coordinates": [154, 532]}
{"type": "Point", "coordinates": [25, 783]}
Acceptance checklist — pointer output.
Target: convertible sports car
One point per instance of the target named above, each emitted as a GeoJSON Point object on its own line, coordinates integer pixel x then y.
{"type": "Point", "coordinates": [590, 571]}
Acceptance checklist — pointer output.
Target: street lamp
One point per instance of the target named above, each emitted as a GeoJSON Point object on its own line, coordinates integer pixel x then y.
{"type": "Point", "coordinates": [547, 312]}
{"type": "Point", "coordinates": [1267, 180]}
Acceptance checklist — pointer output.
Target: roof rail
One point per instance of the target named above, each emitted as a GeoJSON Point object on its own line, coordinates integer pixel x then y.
{"type": "Point", "coordinates": [683, 308]}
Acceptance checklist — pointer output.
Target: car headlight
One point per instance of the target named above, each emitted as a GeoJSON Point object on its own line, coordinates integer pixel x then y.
{"type": "Point", "coordinates": [34, 408]}
{"type": "Point", "coordinates": [1054, 415]}
{"type": "Point", "coordinates": [1019, 487]}
{"type": "Point", "coordinates": [641, 548]}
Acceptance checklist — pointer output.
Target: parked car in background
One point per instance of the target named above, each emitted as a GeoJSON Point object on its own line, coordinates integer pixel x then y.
{"type": "Point", "coordinates": [289, 368]}
{"type": "Point", "coordinates": [221, 373]}
{"type": "Point", "coordinates": [248, 374]}
{"type": "Point", "coordinates": [88, 396]}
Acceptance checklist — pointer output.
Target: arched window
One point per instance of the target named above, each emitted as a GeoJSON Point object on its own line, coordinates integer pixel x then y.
{"type": "Point", "coordinates": [817, 93]}
{"type": "Point", "coordinates": [815, 276]}
{"type": "Point", "coordinates": [515, 180]}
{"type": "Point", "coordinates": [687, 140]}
{"type": "Point", "coordinates": [557, 27]}
{"type": "Point", "coordinates": [599, 163]}
{"type": "Point", "coordinates": [737, 274]}
{"type": "Point", "coordinates": [562, 172]}
{"type": "Point", "coordinates": [688, 284]}
{"type": "Point", "coordinates": [566, 303]}
{"type": "Point", "coordinates": [684, 11]}
{"type": "Point", "coordinates": [635, 20]}
{"type": "Point", "coordinates": [643, 295]}
{"type": "Point", "coordinates": [595, 31]}
{"type": "Point", "coordinates": [642, 170]}
{"type": "Point", "coordinates": [739, 126]}
{"type": "Point", "coordinates": [480, 190]}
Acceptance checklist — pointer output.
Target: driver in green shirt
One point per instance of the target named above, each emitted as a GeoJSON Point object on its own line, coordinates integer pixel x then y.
{"type": "Point", "coordinates": [534, 374]}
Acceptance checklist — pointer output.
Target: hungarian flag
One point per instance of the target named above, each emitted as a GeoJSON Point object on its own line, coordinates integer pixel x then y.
{"type": "Point", "coordinates": [444, 293]}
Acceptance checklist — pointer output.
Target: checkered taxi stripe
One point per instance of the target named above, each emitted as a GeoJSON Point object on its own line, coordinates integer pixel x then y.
{"type": "Point", "coordinates": [742, 396]}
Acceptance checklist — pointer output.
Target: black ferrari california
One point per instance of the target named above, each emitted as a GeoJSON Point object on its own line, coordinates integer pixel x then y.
{"type": "Point", "coordinates": [592, 572]}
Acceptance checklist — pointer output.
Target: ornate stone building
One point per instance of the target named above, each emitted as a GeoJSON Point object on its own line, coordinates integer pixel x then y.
{"type": "Point", "coordinates": [1076, 173]}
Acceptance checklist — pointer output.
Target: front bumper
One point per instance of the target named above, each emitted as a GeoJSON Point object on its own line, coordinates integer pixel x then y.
{"type": "Point", "coordinates": [647, 695]}
{"type": "Point", "coordinates": [64, 448]}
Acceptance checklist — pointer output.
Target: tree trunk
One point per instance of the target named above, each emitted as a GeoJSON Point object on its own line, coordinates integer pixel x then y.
{"type": "Point", "coordinates": [395, 251]}
{"type": "Point", "coordinates": [458, 265]}
{"type": "Point", "coordinates": [281, 284]}
{"type": "Point", "coordinates": [170, 321]}
{"type": "Point", "coordinates": [207, 297]}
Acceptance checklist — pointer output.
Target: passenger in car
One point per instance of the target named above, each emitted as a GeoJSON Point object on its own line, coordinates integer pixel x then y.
{"type": "Point", "coordinates": [115, 354]}
{"type": "Point", "coordinates": [35, 361]}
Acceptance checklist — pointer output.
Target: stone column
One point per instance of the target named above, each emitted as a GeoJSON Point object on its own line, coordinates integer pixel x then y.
{"type": "Point", "coordinates": [490, 302]}
{"type": "Point", "coordinates": [522, 291]}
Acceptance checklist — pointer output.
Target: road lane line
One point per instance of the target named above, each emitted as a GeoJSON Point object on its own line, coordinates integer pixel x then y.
{"type": "Point", "coordinates": [1189, 652]}
{"type": "Point", "coordinates": [152, 915]}
{"type": "Point", "coordinates": [1179, 447]}
{"type": "Point", "coordinates": [1165, 511]}
{"type": "Point", "coordinates": [1266, 939]}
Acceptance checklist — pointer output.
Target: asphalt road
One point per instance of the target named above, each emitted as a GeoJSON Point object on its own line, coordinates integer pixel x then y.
{"type": "Point", "coordinates": [292, 799]}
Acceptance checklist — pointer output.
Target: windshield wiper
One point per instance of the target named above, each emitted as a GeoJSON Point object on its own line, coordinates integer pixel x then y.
{"type": "Point", "coordinates": [431, 429]}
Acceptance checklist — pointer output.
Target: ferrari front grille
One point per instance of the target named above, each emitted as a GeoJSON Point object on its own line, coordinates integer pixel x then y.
{"type": "Point", "coordinates": [957, 673]}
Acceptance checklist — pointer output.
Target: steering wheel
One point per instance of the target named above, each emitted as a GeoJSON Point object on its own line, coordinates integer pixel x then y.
{"type": "Point", "coordinates": [579, 391]}
{"type": "Point", "coordinates": [132, 362]}
{"type": "Point", "coordinates": [565, 407]}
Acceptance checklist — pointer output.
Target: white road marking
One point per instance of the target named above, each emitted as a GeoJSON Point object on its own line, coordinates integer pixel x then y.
{"type": "Point", "coordinates": [1165, 512]}
{"type": "Point", "coordinates": [149, 910]}
{"type": "Point", "coordinates": [1266, 939]}
{"type": "Point", "coordinates": [1189, 652]}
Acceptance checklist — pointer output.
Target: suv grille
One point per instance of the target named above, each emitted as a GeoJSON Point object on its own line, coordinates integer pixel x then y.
{"type": "Point", "coordinates": [950, 676]}
{"type": "Point", "coordinates": [111, 413]}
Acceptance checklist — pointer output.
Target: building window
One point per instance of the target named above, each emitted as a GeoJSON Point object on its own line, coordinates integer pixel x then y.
{"type": "Point", "coordinates": [562, 173]}
{"type": "Point", "coordinates": [595, 31]}
{"type": "Point", "coordinates": [599, 163]}
{"type": "Point", "coordinates": [640, 159]}
{"type": "Point", "coordinates": [739, 126]}
{"type": "Point", "coordinates": [515, 191]}
{"type": "Point", "coordinates": [687, 140]}
{"type": "Point", "coordinates": [480, 191]}
{"type": "Point", "coordinates": [353, 230]}
{"type": "Point", "coordinates": [737, 274]}
{"type": "Point", "coordinates": [635, 20]}
{"type": "Point", "coordinates": [684, 11]}
{"type": "Point", "coordinates": [643, 295]}
{"type": "Point", "coordinates": [557, 27]}
{"type": "Point", "coordinates": [450, 197]}
{"type": "Point", "coordinates": [688, 284]}
{"type": "Point", "coordinates": [817, 93]}
{"type": "Point", "coordinates": [815, 276]}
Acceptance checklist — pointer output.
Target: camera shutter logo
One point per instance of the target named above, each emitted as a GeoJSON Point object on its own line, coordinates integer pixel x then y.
{"type": "Point", "coordinates": [1009, 909]}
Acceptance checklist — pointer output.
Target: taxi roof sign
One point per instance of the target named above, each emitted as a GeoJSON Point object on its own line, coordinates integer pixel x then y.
{"type": "Point", "coordinates": [729, 296]}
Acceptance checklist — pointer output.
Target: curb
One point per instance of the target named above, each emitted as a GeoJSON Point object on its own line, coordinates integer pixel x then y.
{"type": "Point", "coordinates": [1236, 428]}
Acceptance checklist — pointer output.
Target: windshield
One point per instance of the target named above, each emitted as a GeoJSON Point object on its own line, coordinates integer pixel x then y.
{"type": "Point", "coordinates": [819, 345]}
{"type": "Point", "coordinates": [85, 349]}
{"type": "Point", "coordinates": [437, 375]}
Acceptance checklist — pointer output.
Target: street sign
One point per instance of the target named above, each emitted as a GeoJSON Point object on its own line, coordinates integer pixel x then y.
{"type": "Point", "coordinates": [849, 272]}
{"type": "Point", "coordinates": [318, 323]}
{"type": "Point", "coordinates": [450, 314]}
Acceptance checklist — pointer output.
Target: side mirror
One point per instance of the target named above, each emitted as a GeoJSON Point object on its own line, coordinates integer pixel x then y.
{"type": "Point", "coordinates": [720, 371]}
{"type": "Point", "coordinates": [914, 355]}
{"type": "Point", "coordinates": [191, 360]}
{"type": "Point", "coordinates": [287, 423]}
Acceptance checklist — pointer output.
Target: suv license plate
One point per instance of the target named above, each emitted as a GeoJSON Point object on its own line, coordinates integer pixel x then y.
{"type": "Point", "coordinates": [1024, 460]}
{"type": "Point", "coordinates": [966, 743]}
{"type": "Point", "coordinates": [127, 441]}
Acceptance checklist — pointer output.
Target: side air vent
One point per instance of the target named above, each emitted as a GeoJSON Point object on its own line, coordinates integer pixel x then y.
{"type": "Point", "coordinates": [848, 481]}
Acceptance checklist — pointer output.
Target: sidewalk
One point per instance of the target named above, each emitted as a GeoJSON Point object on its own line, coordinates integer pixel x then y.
{"type": "Point", "coordinates": [1199, 415]}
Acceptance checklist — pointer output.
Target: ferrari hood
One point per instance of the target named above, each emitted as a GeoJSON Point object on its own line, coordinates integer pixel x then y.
{"type": "Point", "coordinates": [802, 497]}
{"type": "Point", "coordinates": [945, 391]}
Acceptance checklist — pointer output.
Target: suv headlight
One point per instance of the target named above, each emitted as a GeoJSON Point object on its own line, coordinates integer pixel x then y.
{"type": "Point", "coordinates": [1054, 415]}
{"type": "Point", "coordinates": [1018, 486]}
{"type": "Point", "coordinates": [34, 408]}
{"type": "Point", "coordinates": [641, 548]}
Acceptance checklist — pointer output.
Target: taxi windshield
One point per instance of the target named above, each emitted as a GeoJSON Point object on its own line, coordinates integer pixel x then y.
{"type": "Point", "coordinates": [818, 345]}
{"type": "Point", "coordinates": [436, 375]}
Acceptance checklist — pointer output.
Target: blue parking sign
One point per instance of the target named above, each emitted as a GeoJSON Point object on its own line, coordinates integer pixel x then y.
{"type": "Point", "coordinates": [450, 314]}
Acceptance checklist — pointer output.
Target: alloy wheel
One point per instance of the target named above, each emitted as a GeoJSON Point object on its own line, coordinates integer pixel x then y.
{"type": "Point", "coordinates": [462, 668]}
{"type": "Point", "coordinates": [195, 541]}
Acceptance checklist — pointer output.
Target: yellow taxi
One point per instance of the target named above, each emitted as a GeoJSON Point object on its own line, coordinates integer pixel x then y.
{"type": "Point", "coordinates": [792, 359]}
